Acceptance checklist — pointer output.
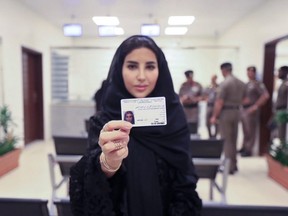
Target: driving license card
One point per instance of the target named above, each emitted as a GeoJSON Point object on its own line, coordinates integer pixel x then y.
{"type": "Point", "coordinates": [144, 111]}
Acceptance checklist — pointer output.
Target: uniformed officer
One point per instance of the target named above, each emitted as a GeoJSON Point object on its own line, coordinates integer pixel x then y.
{"type": "Point", "coordinates": [190, 94]}
{"type": "Point", "coordinates": [281, 102]}
{"type": "Point", "coordinates": [209, 95]}
{"type": "Point", "coordinates": [228, 101]}
{"type": "Point", "coordinates": [256, 95]}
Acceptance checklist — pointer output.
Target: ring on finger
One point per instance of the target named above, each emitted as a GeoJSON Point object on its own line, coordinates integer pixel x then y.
{"type": "Point", "coordinates": [117, 145]}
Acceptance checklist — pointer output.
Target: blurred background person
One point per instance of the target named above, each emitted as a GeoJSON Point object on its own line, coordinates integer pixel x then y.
{"type": "Point", "coordinates": [190, 94]}
{"type": "Point", "coordinates": [281, 101]}
{"type": "Point", "coordinates": [209, 95]}
{"type": "Point", "coordinates": [227, 109]}
{"type": "Point", "coordinates": [256, 95]}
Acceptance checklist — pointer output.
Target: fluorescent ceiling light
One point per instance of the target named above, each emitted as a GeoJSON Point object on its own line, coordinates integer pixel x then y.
{"type": "Point", "coordinates": [150, 29]}
{"type": "Point", "coordinates": [106, 20]}
{"type": "Point", "coordinates": [181, 20]}
{"type": "Point", "coordinates": [72, 30]}
{"type": "Point", "coordinates": [105, 31]}
{"type": "Point", "coordinates": [176, 30]}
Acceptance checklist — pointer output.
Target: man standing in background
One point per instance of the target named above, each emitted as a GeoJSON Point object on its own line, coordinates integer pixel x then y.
{"type": "Point", "coordinates": [210, 96]}
{"type": "Point", "coordinates": [256, 95]}
{"type": "Point", "coordinates": [228, 101]}
{"type": "Point", "coordinates": [281, 102]}
{"type": "Point", "coordinates": [190, 94]}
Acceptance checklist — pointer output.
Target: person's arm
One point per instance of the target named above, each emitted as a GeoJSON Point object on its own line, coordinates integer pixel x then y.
{"type": "Point", "coordinates": [217, 110]}
{"type": "Point", "coordinates": [260, 102]}
{"type": "Point", "coordinates": [89, 184]}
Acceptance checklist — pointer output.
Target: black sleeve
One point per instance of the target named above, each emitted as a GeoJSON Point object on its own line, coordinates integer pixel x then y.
{"type": "Point", "coordinates": [90, 189]}
{"type": "Point", "coordinates": [185, 200]}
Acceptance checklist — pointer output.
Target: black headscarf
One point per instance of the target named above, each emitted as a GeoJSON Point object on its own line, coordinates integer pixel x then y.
{"type": "Point", "coordinates": [169, 142]}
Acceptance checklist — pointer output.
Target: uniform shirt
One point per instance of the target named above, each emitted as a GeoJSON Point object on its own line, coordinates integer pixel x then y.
{"type": "Point", "coordinates": [281, 102]}
{"type": "Point", "coordinates": [191, 91]}
{"type": "Point", "coordinates": [211, 93]}
{"type": "Point", "coordinates": [231, 91]}
{"type": "Point", "coordinates": [253, 90]}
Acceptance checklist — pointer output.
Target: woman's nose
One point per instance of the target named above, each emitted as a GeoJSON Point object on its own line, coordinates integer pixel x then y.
{"type": "Point", "coordinates": [141, 74]}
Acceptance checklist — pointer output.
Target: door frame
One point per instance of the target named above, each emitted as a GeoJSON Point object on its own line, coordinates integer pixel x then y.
{"type": "Point", "coordinates": [268, 80]}
{"type": "Point", "coordinates": [32, 98]}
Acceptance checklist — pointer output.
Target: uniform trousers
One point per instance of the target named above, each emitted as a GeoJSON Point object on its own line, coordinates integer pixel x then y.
{"type": "Point", "coordinates": [249, 125]}
{"type": "Point", "coordinates": [212, 133]}
{"type": "Point", "coordinates": [228, 125]}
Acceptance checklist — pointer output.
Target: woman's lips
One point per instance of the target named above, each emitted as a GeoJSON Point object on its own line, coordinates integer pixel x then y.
{"type": "Point", "coordinates": [141, 87]}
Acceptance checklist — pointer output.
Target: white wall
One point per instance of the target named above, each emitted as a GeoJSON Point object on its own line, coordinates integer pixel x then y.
{"type": "Point", "coordinates": [91, 59]}
{"type": "Point", "coordinates": [265, 24]}
{"type": "Point", "coordinates": [243, 45]}
{"type": "Point", "coordinates": [22, 27]}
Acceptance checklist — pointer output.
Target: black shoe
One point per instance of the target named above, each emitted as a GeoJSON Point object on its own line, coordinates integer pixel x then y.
{"type": "Point", "coordinates": [246, 154]}
{"type": "Point", "coordinates": [232, 172]}
{"type": "Point", "coordinates": [241, 150]}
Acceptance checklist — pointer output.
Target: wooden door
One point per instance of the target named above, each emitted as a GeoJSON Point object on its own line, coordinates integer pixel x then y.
{"type": "Point", "coordinates": [32, 95]}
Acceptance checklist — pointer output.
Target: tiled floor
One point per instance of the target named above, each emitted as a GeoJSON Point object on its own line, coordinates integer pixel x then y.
{"type": "Point", "coordinates": [249, 186]}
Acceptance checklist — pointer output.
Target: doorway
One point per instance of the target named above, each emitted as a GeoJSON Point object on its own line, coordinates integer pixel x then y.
{"type": "Point", "coordinates": [268, 80]}
{"type": "Point", "coordinates": [32, 95]}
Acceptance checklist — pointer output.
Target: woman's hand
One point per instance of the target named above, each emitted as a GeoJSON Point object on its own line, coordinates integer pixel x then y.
{"type": "Point", "coordinates": [113, 141]}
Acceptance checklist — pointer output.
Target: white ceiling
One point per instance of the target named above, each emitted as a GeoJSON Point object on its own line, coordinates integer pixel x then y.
{"type": "Point", "coordinates": [213, 17]}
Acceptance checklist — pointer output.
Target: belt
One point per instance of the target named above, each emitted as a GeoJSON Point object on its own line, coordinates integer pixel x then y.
{"type": "Point", "coordinates": [194, 105]}
{"type": "Point", "coordinates": [231, 107]}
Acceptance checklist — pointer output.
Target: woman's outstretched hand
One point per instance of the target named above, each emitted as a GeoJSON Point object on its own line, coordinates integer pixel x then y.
{"type": "Point", "coordinates": [113, 141]}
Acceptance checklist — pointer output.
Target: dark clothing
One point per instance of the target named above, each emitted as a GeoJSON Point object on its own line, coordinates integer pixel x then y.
{"type": "Point", "coordinates": [98, 97]}
{"type": "Point", "coordinates": [281, 104]}
{"type": "Point", "coordinates": [176, 190]}
{"type": "Point", "coordinates": [157, 178]}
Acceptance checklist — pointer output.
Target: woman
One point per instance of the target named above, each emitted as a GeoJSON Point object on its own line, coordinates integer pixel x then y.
{"type": "Point", "coordinates": [129, 116]}
{"type": "Point", "coordinates": [139, 171]}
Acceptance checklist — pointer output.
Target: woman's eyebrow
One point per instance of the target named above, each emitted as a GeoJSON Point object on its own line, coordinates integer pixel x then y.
{"type": "Point", "coordinates": [131, 62]}
{"type": "Point", "coordinates": [151, 62]}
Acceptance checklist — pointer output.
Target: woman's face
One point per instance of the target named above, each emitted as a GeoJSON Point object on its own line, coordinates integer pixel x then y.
{"type": "Point", "coordinates": [129, 117]}
{"type": "Point", "coordinates": [140, 72]}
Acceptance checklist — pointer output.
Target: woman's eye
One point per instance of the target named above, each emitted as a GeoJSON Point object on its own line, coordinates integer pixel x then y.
{"type": "Point", "coordinates": [150, 67]}
{"type": "Point", "coordinates": [131, 66]}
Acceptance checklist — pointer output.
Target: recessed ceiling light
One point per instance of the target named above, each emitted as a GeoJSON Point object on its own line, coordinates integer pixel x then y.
{"type": "Point", "coordinates": [106, 20]}
{"type": "Point", "coordinates": [181, 20]}
{"type": "Point", "coordinates": [176, 30]}
{"type": "Point", "coordinates": [72, 30]}
{"type": "Point", "coordinates": [150, 29]}
{"type": "Point", "coordinates": [105, 31]}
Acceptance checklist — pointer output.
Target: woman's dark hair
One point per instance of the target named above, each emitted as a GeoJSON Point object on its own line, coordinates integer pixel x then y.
{"type": "Point", "coordinates": [163, 84]}
{"type": "Point", "coordinates": [127, 46]}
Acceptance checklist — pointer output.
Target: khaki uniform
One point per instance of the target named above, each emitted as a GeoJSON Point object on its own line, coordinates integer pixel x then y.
{"type": "Point", "coordinates": [191, 110]}
{"type": "Point", "coordinates": [253, 91]}
{"type": "Point", "coordinates": [211, 93]}
{"type": "Point", "coordinates": [231, 91]}
{"type": "Point", "coordinates": [281, 104]}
